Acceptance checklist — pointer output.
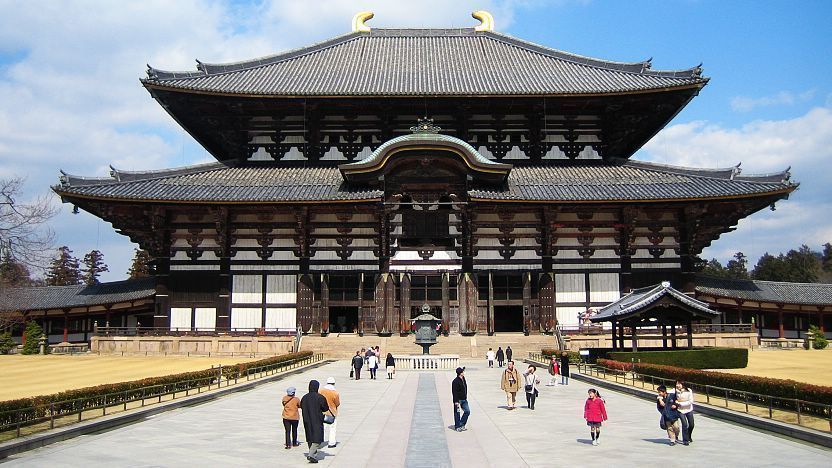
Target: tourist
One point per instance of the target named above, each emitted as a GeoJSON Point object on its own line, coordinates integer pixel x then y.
{"type": "Point", "coordinates": [333, 400]}
{"type": "Point", "coordinates": [510, 383]}
{"type": "Point", "coordinates": [666, 404]}
{"type": "Point", "coordinates": [530, 382]}
{"type": "Point", "coordinates": [509, 352]}
{"type": "Point", "coordinates": [372, 365]}
{"type": "Point", "coordinates": [564, 369]}
{"type": "Point", "coordinates": [501, 356]}
{"type": "Point", "coordinates": [684, 398]}
{"type": "Point", "coordinates": [595, 413]}
{"type": "Point", "coordinates": [357, 363]}
{"type": "Point", "coordinates": [313, 405]}
{"type": "Point", "coordinates": [490, 357]}
{"type": "Point", "coordinates": [291, 417]}
{"type": "Point", "coordinates": [367, 354]}
{"type": "Point", "coordinates": [390, 364]}
{"type": "Point", "coordinates": [459, 391]}
{"type": "Point", "coordinates": [553, 371]}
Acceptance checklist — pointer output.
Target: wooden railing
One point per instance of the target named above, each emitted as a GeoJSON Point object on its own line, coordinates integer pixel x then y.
{"type": "Point", "coordinates": [191, 331]}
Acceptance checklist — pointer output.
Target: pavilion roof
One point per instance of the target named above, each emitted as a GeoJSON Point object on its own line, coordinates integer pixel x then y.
{"type": "Point", "coordinates": [80, 295]}
{"type": "Point", "coordinates": [640, 300]}
{"type": "Point", "coordinates": [562, 181]}
{"type": "Point", "coordinates": [440, 62]}
{"type": "Point", "coordinates": [778, 292]}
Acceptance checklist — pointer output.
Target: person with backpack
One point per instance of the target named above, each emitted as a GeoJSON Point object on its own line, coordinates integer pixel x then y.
{"type": "Point", "coordinates": [595, 413]}
{"type": "Point", "coordinates": [510, 383]}
{"type": "Point", "coordinates": [666, 404]}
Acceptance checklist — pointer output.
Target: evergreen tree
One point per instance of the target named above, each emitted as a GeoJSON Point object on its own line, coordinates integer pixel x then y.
{"type": "Point", "coordinates": [13, 273]}
{"type": "Point", "coordinates": [63, 270]}
{"type": "Point", "coordinates": [715, 269]}
{"type": "Point", "coordinates": [93, 267]}
{"type": "Point", "coordinates": [826, 257]}
{"type": "Point", "coordinates": [771, 268]}
{"type": "Point", "coordinates": [738, 267]}
{"type": "Point", "coordinates": [141, 264]}
{"type": "Point", "coordinates": [32, 343]}
{"type": "Point", "coordinates": [804, 265]}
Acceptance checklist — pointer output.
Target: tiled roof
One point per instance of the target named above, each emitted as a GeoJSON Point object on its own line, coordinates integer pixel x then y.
{"type": "Point", "coordinates": [640, 298]}
{"type": "Point", "coordinates": [452, 62]}
{"type": "Point", "coordinates": [574, 181]}
{"type": "Point", "coordinates": [59, 297]}
{"type": "Point", "coordinates": [765, 291]}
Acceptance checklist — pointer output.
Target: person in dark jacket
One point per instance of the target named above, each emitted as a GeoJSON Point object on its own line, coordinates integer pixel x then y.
{"type": "Point", "coordinates": [509, 352]}
{"type": "Point", "coordinates": [313, 405]}
{"type": "Point", "coordinates": [666, 404]}
{"type": "Point", "coordinates": [501, 356]}
{"type": "Point", "coordinates": [357, 364]}
{"type": "Point", "coordinates": [390, 364]}
{"type": "Point", "coordinates": [564, 369]}
{"type": "Point", "coordinates": [459, 390]}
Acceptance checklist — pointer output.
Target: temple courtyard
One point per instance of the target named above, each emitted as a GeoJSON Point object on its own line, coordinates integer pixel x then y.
{"type": "Point", "coordinates": [407, 422]}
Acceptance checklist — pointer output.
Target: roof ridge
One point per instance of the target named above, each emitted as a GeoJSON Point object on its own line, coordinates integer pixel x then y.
{"type": "Point", "coordinates": [728, 173]}
{"type": "Point", "coordinates": [120, 176]}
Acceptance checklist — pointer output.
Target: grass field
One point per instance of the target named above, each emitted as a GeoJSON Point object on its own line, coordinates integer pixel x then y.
{"type": "Point", "coordinates": [814, 367]}
{"type": "Point", "coordinates": [22, 376]}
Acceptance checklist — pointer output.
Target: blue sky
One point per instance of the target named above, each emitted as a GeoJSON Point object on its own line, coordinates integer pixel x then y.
{"type": "Point", "coordinates": [70, 97]}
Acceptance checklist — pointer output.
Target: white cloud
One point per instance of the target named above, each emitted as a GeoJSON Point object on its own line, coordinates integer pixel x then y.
{"type": "Point", "coordinates": [783, 98]}
{"type": "Point", "coordinates": [804, 143]}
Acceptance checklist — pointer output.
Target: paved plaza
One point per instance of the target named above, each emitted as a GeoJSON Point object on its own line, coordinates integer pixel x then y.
{"type": "Point", "coordinates": [407, 422]}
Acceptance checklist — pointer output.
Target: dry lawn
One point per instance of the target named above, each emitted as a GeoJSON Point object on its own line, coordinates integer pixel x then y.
{"type": "Point", "coordinates": [814, 367]}
{"type": "Point", "coordinates": [23, 376]}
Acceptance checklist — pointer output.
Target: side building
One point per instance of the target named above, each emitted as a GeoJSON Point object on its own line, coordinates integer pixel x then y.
{"type": "Point", "coordinates": [365, 178]}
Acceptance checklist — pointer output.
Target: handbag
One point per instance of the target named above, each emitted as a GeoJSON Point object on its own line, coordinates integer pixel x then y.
{"type": "Point", "coordinates": [329, 418]}
{"type": "Point", "coordinates": [662, 423]}
{"type": "Point", "coordinates": [352, 372]}
{"type": "Point", "coordinates": [529, 388]}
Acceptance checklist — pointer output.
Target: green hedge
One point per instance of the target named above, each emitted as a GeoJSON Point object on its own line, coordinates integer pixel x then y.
{"type": "Point", "coordinates": [780, 388]}
{"type": "Point", "coordinates": [573, 356]}
{"type": "Point", "coordinates": [72, 401]}
{"type": "Point", "coordinates": [704, 358]}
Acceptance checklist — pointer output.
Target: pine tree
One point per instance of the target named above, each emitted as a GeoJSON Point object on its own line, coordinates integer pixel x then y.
{"type": "Point", "coordinates": [826, 258]}
{"type": "Point", "coordinates": [93, 267]}
{"type": "Point", "coordinates": [715, 269]}
{"type": "Point", "coordinates": [141, 264]}
{"type": "Point", "coordinates": [63, 270]}
{"type": "Point", "coordinates": [737, 268]}
{"type": "Point", "coordinates": [32, 343]}
{"type": "Point", "coordinates": [13, 273]}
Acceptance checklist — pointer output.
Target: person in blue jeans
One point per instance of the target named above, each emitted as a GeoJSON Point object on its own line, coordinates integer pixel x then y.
{"type": "Point", "coordinates": [459, 389]}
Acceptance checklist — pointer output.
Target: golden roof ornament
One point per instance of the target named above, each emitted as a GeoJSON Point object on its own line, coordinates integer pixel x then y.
{"type": "Point", "coordinates": [359, 19]}
{"type": "Point", "coordinates": [425, 125]}
{"type": "Point", "coordinates": [486, 20]}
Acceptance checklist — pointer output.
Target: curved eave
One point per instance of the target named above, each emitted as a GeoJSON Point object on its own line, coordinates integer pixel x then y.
{"type": "Point", "coordinates": [782, 192]}
{"type": "Point", "coordinates": [68, 197]}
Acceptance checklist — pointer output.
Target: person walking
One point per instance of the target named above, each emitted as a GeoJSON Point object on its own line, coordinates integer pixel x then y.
{"type": "Point", "coordinates": [530, 383]}
{"type": "Point", "coordinates": [501, 356]}
{"type": "Point", "coordinates": [357, 363]}
{"type": "Point", "coordinates": [459, 392]}
{"type": "Point", "coordinates": [595, 413]}
{"type": "Point", "coordinates": [510, 383]}
{"type": "Point", "coordinates": [666, 404]}
{"type": "Point", "coordinates": [684, 398]}
{"type": "Point", "coordinates": [390, 364]}
{"type": "Point", "coordinates": [313, 405]}
{"type": "Point", "coordinates": [291, 417]}
{"type": "Point", "coordinates": [372, 365]}
{"type": "Point", "coordinates": [333, 400]}
{"type": "Point", "coordinates": [509, 352]}
{"type": "Point", "coordinates": [564, 369]}
{"type": "Point", "coordinates": [490, 357]}
{"type": "Point", "coordinates": [553, 371]}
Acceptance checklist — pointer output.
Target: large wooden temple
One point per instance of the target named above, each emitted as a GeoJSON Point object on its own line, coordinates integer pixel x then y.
{"type": "Point", "coordinates": [369, 177]}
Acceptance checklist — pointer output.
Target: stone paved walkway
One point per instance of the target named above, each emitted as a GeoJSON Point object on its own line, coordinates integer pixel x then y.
{"type": "Point", "coordinates": [377, 427]}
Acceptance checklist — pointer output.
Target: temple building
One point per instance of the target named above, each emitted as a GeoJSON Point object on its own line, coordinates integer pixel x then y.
{"type": "Point", "coordinates": [370, 177]}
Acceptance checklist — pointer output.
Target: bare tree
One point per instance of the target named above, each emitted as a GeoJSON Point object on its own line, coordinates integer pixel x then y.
{"type": "Point", "coordinates": [23, 234]}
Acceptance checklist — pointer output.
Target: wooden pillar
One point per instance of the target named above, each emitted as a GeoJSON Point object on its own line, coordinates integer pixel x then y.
{"type": "Point", "coordinates": [361, 303]}
{"type": "Point", "coordinates": [223, 320]}
{"type": "Point", "coordinates": [546, 302]}
{"type": "Point", "coordinates": [404, 308]}
{"type": "Point", "coordinates": [323, 310]}
{"type": "Point", "coordinates": [635, 337]}
{"type": "Point", "coordinates": [820, 319]}
{"type": "Point", "coordinates": [782, 333]}
{"type": "Point", "coordinates": [673, 336]}
{"type": "Point", "coordinates": [528, 314]}
{"type": "Point", "coordinates": [467, 297]}
{"type": "Point", "coordinates": [664, 336]}
{"type": "Point", "coordinates": [446, 302]}
{"type": "Point", "coordinates": [690, 334]}
{"type": "Point", "coordinates": [620, 335]}
{"type": "Point", "coordinates": [161, 315]}
{"type": "Point", "coordinates": [614, 338]}
{"type": "Point", "coordinates": [490, 320]}
{"type": "Point", "coordinates": [385, 304]}
{"type": "Point", "coordinates": [305, 296]}
{"type": "Point", "coordinates": [66, 326]}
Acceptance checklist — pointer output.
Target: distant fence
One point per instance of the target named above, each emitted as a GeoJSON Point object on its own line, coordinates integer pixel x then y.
{"type": "Point", "coordinates": [697, 328]}
{"type": "Point", "coordinates": [191, 331]}
{"type": "Point", "coordinates": [427, 362]}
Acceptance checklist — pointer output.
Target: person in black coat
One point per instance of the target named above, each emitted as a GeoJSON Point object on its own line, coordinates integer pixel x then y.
{"type": "Point", "coordinates": [501, 356]}
{"type": "Point", "coordinates": [313, 405]}
{"type": "Point", "coordinates": [357, 364]}
{"type": "Point", "coordinates": [459, 391]}
{"type": "Point", "coordinates": [564, 369]}
{"type": "Point", "coordinates": [509, 352]}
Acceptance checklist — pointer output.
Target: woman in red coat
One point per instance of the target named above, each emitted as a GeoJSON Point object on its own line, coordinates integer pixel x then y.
{"type": "Point", "coordinates": [595, 413]}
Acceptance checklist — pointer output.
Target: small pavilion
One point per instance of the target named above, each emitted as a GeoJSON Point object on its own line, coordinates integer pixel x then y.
{"type": "Point", "coordinates": [659, 306]}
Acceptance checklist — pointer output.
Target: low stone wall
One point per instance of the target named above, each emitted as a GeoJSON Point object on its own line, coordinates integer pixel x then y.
{"type": "Point", "coordinates": [191, 345]}
{"type": "Point", "coordinates": [722, 340]}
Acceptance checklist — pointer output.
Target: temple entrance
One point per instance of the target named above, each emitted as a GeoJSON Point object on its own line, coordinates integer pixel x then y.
{"type": "Point", "coordinates": [343, 319]}
{"type": "Point", "coordinates": [508, 318]}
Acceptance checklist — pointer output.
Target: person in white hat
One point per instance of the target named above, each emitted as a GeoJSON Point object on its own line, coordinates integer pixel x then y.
{"type": "Point", "coordinates": [333, 400]}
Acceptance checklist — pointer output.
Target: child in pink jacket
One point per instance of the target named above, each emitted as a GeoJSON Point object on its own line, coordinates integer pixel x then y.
{"type": "Point", "coordinates": [595, 413]}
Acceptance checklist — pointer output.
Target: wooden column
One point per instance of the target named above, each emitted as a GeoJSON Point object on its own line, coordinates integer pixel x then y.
{"type": "Point", "coordinates": [385, 304]}
{"type": "Point", "coordinates": [635, 337]}
{"type": "Point", "coordinates": [614, 337]}
{"type": "Point", "coordinates": [361, 303]}
{"type": "Point", "coordinates": [305, 296]}
{"type": "Point", "coordinates": [664, 336]}
{"type": "Point", "coordinates": [490, 326]}
{"type": "Point", "coordinates": [782, 333]}
{"type": "Point", "coordinates": [66, 326]}
{"type": "Point", "coordinates": [161, 314]}
{"type": "Point", "coordinates": [323, 310]}
{"type": "Point", "coordinates": [687, 227]}
{"type": "Point", "coordinates": [546, 302]}
{"type": "Point", "coordinates": [673, 336]}
{"type": "Point", "coordinates": [528, 315]}
{"type": "Point", "coordinates": [467, 297]}
{"type": "Point", "coordinates": [690, 334]}
{"type": "Point", "coordinates": [404, 308]}
{"type": "Point", "coordinates": [224, 295]}
{"type": "Point", "coordinates": [446, 302]}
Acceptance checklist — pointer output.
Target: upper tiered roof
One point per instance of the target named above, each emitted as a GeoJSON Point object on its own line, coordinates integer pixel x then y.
{"type": "Point", "coordinates": [409, 62]}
